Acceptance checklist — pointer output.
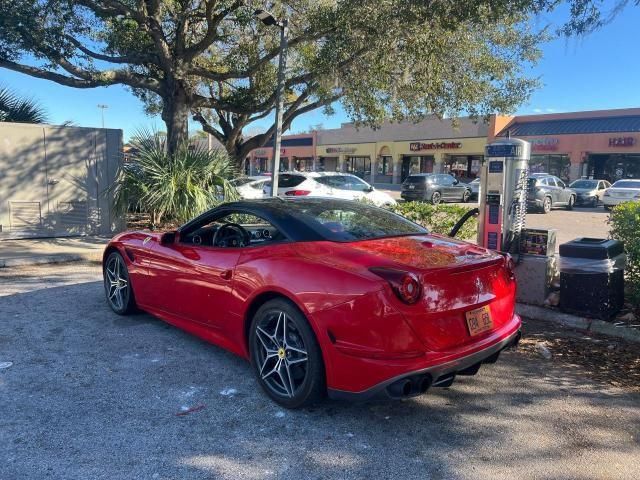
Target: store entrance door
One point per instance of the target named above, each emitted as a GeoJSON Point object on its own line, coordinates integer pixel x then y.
{"type": "Point", "coordinates": [416, 164]}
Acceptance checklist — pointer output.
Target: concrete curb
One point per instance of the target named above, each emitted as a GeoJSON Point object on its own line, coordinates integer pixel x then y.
{"type": "Point", "coordinates": [581, 323]}
{"type": "Point", "coordinates": [54, 258]}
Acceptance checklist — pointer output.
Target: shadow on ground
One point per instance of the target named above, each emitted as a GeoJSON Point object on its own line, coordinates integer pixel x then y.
{"type": "Point", "coordinates": [94, 395]}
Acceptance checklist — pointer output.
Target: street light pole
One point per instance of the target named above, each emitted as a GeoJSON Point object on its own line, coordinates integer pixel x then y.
{"type": "Point", "coordinates": [282, 65]}
{"type": "Point", "coordinates": [269, 20]}
{"type": "Point", "coordinates": [102, 107]}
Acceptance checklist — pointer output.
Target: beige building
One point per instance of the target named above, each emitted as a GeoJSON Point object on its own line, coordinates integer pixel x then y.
{"type": "Point", "coordinates": [395, 150]}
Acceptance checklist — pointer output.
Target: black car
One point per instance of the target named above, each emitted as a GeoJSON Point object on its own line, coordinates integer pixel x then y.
{"type": "Point", "coordinates": [434, 188]}
{"type": "Point", "coordinates": [547, 191]}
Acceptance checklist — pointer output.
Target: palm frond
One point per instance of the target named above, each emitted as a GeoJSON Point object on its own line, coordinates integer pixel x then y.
{"type": "Point", "coordinates": [21, 110]}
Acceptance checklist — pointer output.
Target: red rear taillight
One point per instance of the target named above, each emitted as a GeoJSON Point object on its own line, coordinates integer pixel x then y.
{"type": "Point", "coordinates": [297, 193]}
{"type": "Point", "coordinates": [405, 285]}
{"type": "Point", "coordinates": [510, 265]}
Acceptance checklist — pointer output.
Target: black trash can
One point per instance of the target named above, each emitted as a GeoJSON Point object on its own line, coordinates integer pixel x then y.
{"type": "Point", "coordinates": [592, 277]}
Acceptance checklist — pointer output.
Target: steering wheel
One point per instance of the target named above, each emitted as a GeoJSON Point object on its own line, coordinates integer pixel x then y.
{"type": "Point", "coordinates": [231, 235]}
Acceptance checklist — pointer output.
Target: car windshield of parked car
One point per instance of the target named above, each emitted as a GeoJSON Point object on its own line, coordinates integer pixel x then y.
{"type": "Point", "coordinates": [585, 184]}
{"type": "Point", "coordinates": [416, 179]}
{"type": "Point", "coordinates": [627, 184]}
{"type": "Point", "coordinates": [351, 221]}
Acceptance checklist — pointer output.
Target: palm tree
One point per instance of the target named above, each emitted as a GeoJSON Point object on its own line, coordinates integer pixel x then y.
{"type": "Point", "coordinates": [13, 108]}
{"type": "Point", "coordinates": [172, 187]}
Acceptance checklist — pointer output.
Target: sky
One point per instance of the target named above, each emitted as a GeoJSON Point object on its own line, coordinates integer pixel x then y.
{"type": "Point", "coordinates": [598, 71]}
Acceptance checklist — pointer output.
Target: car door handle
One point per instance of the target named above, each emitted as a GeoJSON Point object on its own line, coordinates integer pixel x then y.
{"type": "Point", "coordinates": [226, 274]}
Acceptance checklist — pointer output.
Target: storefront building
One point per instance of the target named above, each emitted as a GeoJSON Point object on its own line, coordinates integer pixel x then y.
{"type": "Point", "coordinates": [297, 152]}
{"type": "Point", "coordinates": [396, 150]}
{"type": "Point", "coordinates": [602, 144]}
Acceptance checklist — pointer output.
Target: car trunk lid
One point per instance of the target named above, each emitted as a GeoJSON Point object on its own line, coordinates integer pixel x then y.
{"type": "Point", "coordinates": [456, 277]}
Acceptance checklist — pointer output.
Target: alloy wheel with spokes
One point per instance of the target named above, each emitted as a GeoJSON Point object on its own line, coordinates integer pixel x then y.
{"type": "Point", "coordinates": [285, 355]}
{"type": "Point", "coordinates": [117, 285]}
{"type": "Point", "coordinates": [436, 198]}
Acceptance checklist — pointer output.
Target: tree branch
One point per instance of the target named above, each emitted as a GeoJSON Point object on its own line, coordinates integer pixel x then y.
{"type": "Point", "coordinates": [55, 77]}
{"type": "Point", "coordinates": [213, 21]}
{"type": "Point", "coordinates": [135, 59]}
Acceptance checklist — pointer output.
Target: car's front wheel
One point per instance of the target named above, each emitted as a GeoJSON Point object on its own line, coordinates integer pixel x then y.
{"type": "Point", "coordinates": [117, 285]}
{"type": "Point", "coordinates": [466, 196]}
{"type": "Point", "coordinates": [572, 202]}
{"type": "Point", "coordinates": [285, 355]}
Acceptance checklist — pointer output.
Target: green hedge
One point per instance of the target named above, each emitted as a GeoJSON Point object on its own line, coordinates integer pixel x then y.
{"type": "Point", "coordinates": [625, 226]}
{"type": "Point", "coordinates": [438, 218]}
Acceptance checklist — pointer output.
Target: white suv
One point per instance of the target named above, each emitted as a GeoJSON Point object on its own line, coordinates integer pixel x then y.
{"type": "Point", "coordinates": [328, 184]}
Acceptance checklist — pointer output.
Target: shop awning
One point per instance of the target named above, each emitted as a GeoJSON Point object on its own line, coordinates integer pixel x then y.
{"type": "Point", "coordinates": [629, 123]}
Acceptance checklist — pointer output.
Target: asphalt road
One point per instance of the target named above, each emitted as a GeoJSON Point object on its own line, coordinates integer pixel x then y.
{"type": "Point", "coordinates": [580, 222]}
{"type": "Point", "coordinates": [92, 395]}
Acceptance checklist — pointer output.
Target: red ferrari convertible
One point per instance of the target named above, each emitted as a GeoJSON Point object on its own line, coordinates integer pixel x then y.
{"type": "Point", "coordinates": [322, 296]}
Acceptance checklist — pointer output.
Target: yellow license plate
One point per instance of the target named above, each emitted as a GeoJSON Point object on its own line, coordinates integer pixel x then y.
{"type": "Point", "coordinates": [479, 320]}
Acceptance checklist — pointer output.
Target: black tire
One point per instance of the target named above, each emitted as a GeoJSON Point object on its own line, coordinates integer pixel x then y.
{"type": "Point", "coordinates": [303, 381]}
{"type": "Point", "coordinates": [572, 202]}
{"type": "Point", "coordinates": [546, 205]}
{"type": "Point", "coordinates": [117, 285]}
{"type": "Point", "coordinates": [436, 198]}
{"type": "Point", "coordinates": [608, 207]}
{"type": "Point", "coordinates": [466, 196]}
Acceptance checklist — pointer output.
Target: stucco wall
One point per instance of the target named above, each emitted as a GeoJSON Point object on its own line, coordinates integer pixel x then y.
{"type": "Point", "coordinates": [64, 172]}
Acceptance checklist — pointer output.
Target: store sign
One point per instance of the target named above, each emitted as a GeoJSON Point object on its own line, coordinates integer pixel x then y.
{"type": "Point", "coordinates": [418, 146]}
{"type": "Point", "coordinates": [340, 150]}
{"type": "Point", "coordinates": [539, 144]}
{"type": "Point", "coordinates": [622, 142]}
{"type": "Point", "coordinates": [263, 151]}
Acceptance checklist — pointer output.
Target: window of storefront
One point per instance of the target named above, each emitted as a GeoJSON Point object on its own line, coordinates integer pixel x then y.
{"type": "Point", "coordinates": [416, 164]}
{"type": "Point", "coordinates": [284, 164]}
{"type": "Point", "coordinates": [262, 165]}
{"type": "Point", "coordinates": [360, 166]}
{"type": "Point", "coordinates": [613, 167]}
{"type": "Point", "coordinates": [465, 167]}
{"type": "Point", "coordinates": [557, 165]}
{"type": "Point", "coordinates": [385, 165]}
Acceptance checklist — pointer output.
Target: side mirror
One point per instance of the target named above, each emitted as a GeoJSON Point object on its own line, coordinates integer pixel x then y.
{"type": "Point", "coordinates": [368, 189]}
{"type": "Point", "coordinates": [168, 238]}
{"type": "Point", "coordinates": [456, 181]}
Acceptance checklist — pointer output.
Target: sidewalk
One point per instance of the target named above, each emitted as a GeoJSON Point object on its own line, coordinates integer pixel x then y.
{"type": "Point", "coordinates": [14, 253]}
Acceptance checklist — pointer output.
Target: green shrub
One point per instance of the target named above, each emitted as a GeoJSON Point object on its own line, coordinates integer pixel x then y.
{"type": "Point", "coordinates": [438, 218]}
{"type": "Point", "coordinates": [625, 226]}
{"type": "Point", "coordinates": [172, 188]}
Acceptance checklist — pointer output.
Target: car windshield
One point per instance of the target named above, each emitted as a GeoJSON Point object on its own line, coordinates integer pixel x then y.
{"type": "Point", "coordinates": [416, 179]}
{"type": "Point", "coordinates": [351, 221]}
{"type": "Point", "coordinates": [627, 184]}
{"type": "Point", "coordinates": [584, 184]}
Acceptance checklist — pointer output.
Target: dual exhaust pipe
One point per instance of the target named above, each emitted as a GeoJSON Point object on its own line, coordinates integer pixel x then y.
{"type": "Point", "coordinates": [419, 384]}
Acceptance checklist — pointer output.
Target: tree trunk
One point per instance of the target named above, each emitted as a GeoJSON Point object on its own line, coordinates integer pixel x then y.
{"type": "Point", "coordinates": [175, 113]}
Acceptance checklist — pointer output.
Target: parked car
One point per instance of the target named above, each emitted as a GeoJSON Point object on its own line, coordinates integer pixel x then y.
{"type": "Point", "coordinates": [322, 296]}
{"type": "Point", "coordinates": [589, 192]}
{"type": "Point", "coordinates": [251, 187]}
{"type": "Point", "coordinates": [548, 191]}
{"type": "Point", "coordinates": [434, 188]}
{"type": "Point", "coordinates": [328, 184]}
{"type": "Point", "coordinates": [621, 191]}
{"type": "Point", "coordinates": [474, 186]}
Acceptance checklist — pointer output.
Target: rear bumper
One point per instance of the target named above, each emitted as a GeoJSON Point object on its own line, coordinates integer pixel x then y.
{"type": "Point", "coordinates": [411, 195]}
{"type": "Point", "coordinates": [417, 379]}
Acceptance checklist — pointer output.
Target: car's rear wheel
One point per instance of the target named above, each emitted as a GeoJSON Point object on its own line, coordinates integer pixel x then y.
{"type": "Point", "coordinates": [571, 203]}
{"type": "Point", "coordinates": [285, 355]}
{"type": "Point", "coordinates": [117, 285]}
{"type": "Point", "coordinates": [546, 205]}
{"type": "Point", "coordinates": [436, 198]}
{"type": "Point", "coordinates": [466, 196]}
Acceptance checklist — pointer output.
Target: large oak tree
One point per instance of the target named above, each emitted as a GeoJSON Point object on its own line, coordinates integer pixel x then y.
{"type": "Point", "coordinates": [213, 60]}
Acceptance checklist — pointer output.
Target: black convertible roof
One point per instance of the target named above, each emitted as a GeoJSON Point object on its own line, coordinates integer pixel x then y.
{"type": "Point", "coordinates": [287, 215]}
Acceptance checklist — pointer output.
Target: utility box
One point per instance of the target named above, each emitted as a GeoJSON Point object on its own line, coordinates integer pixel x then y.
{"type": "Point", "coordinates": [537, 265]}
{"type": "Point", "coordinates": [534, 274]}
{"type": "Point", "coordinates": [592, 277]}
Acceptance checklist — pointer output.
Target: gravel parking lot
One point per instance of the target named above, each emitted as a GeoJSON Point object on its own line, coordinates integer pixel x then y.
{"type": "Point", "coordinates": [91, 395]}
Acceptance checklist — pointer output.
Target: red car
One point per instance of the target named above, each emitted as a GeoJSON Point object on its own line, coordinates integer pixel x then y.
{"type": "Point", "coordinates": [323, 296]}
